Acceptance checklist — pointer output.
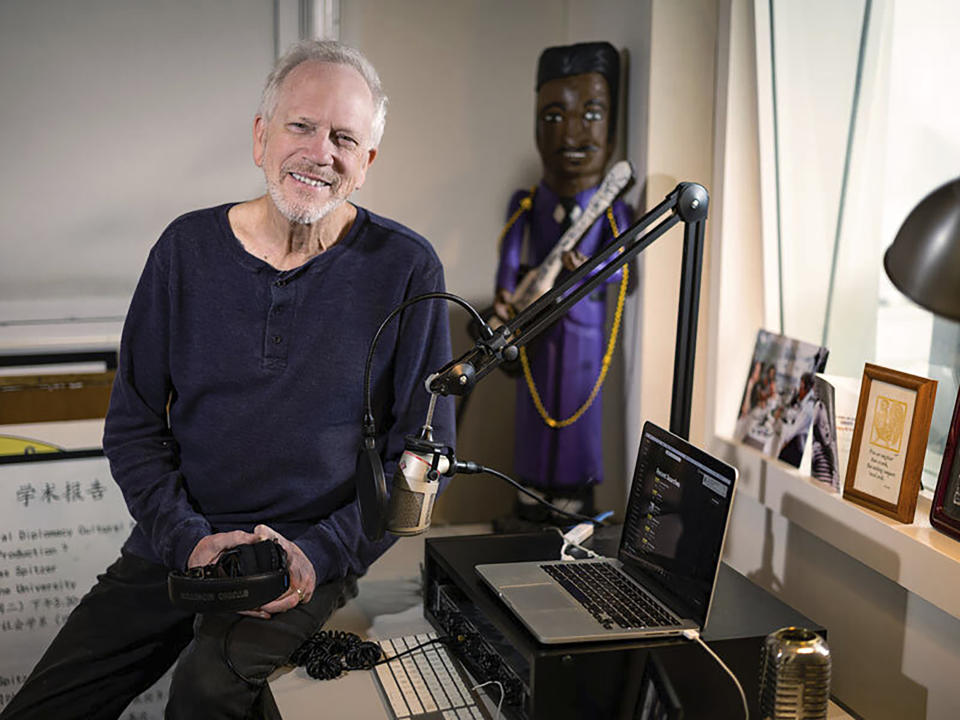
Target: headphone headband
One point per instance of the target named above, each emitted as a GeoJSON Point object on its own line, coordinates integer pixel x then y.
{"type": "Point", "coordinates": [245, 577]}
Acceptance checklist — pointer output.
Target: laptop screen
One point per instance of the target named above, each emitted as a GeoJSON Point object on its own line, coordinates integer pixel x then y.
{"type": "Point", "coordinates": [676, 521]}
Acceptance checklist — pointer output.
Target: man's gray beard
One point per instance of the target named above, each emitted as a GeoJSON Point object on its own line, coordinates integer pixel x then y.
{"type": "Point", "coordinates": [298, 214]}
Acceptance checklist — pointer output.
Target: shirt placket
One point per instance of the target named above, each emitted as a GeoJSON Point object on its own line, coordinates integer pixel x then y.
{"type": "Point", "coordinates": [276, 341]}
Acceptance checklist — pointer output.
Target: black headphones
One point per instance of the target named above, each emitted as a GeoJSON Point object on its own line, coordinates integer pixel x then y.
{"type": "Point", "coordinates": [243, 578]}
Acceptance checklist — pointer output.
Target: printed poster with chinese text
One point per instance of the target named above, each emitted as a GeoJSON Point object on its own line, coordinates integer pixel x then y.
{"type": "Point", "coordinates": [63, 522]}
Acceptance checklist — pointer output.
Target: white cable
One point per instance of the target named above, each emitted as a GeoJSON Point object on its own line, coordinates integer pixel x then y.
{"type": "Point", "coordinates": [694, 635]}
{"type": "Point", "coordinates": [502, 693]}
{"type": "Point", "coordinates": [565, 543]}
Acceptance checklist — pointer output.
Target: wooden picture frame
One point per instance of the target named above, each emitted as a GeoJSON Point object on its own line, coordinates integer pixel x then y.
{"type": "Point", "coordinates": [945, 510]}
{"type": "Point", "coordinates": [889, 441]}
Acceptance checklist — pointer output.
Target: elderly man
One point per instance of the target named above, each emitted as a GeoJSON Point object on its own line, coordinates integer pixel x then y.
{"type": "Point", "coordinates": [236, 412]}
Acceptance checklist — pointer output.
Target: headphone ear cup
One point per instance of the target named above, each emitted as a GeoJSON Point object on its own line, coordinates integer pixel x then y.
{"type": "Point", "coordinates": [371, 491]}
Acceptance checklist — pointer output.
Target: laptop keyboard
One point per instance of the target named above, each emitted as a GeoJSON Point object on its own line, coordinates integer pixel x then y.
{"type": "Point", "coordinates": [608, 595]}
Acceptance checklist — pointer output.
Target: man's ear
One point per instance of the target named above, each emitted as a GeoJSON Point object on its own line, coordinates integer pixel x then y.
{"type": "Point", "coordinates": [259, 139]}
{"type": "Point", "coordinates": [371, 155]}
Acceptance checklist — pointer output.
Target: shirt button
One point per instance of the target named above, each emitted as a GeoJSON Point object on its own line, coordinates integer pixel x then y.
{"type": "Point", "coordinates": [280, 283]}
{"type": "Point", "coordinates": [277, 339]}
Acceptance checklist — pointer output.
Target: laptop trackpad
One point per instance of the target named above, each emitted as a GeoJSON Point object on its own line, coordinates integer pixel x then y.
{"type": "Point", "coordinates": [538, 597]}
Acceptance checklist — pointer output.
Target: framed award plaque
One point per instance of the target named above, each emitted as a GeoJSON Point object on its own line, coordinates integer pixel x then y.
{"type": "Point", "coordinates": [889, 441]}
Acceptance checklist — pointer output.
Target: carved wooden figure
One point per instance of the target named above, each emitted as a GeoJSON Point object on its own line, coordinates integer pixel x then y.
{"type": "Point", "coordinates": [559, 414]}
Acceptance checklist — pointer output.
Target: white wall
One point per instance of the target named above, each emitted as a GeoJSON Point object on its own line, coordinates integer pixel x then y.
{"type": "Point", "coordinates": [459, 135]}
{"type": "Point", "coordinates": [679, 147]}
{"type": "Point", "coordinates": [117, 117]}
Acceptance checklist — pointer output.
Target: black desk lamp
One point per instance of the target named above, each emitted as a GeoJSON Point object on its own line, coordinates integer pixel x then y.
{"type": "Point", "coordinates": [924, 264]}
{"type": "Point", "coordinates": [924, 260]}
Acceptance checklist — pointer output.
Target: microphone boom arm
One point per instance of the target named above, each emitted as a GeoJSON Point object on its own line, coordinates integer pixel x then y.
{"type": "Point", "coordinates": [687, 203]}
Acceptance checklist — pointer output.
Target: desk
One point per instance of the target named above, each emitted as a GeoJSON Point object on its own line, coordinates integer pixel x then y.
{"type": "Point", "coordinates": [602, 679]}
{"type": "Point", "coordinates": [389, 604]}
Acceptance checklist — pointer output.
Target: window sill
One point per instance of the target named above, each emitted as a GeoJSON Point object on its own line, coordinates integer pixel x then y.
{"type": "Point", "coordinates": [917, 557]}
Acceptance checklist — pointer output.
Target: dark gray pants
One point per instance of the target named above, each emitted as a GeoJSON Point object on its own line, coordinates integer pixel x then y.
{"type": "Point", "coordinates": [125, 634]}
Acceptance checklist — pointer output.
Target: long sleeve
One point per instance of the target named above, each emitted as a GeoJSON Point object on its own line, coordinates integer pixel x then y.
{"type": "Point", "coordinates": [137, 439]}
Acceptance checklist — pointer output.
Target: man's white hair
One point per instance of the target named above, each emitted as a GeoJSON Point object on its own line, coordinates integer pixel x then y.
{"type": "Point", "coordinates": [329, 51]}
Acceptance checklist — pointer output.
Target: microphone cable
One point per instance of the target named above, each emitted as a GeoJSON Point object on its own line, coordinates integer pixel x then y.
{"type": "Point", "coordinates": [560, 511]}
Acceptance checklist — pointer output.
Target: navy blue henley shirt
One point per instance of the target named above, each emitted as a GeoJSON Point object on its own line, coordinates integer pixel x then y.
{"type": "Point", "coordinates": [238, 397]}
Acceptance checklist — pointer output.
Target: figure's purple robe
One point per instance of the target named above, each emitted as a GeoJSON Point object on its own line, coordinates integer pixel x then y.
{"type": "Point", "coordinates": [565, 359]}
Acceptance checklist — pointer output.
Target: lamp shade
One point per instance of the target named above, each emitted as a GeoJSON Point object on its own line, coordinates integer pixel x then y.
{"type": "Point", "coordinates": [924, 260]}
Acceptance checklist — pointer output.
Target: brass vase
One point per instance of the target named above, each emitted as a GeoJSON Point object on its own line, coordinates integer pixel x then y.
{"type": "Point", "coordinates": [794, 676]}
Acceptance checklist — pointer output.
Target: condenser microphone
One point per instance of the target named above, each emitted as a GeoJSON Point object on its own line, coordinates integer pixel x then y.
{"type": "Point", "coordinates": [417, 480]}
{"type": "Point", "coordinates": [415, 484]}
{"type": "Point", "coordinates": [373, 504]}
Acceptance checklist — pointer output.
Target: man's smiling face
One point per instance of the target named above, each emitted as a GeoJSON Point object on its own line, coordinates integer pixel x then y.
{"type": "Point", "coordinates": [314, 148]}
{"type": "Point", "coordinates": [573, 117]}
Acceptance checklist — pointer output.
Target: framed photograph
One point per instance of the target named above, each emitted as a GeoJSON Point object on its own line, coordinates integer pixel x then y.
{"type": "Point", "coordinates": [778, 404]}
{"type": "Point", "coordinates": [889, 441]}
{"type": "Point", "coordinates": [945, 511]}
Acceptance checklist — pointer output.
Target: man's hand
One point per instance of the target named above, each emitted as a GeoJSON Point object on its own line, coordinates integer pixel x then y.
{"type": "Point", "coordinates": [303, 578]}
{"type": "Point", "coordinates": [209, 548]}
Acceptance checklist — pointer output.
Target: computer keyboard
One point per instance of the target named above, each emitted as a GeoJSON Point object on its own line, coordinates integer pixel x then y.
{"type": "Point", "coordinates": [608, 595]}
{"type": "Point", "coordinates": [426, 684]}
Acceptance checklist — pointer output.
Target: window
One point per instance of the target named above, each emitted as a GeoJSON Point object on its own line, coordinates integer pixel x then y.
{"type": "Point", "coordinates": [864, 125]}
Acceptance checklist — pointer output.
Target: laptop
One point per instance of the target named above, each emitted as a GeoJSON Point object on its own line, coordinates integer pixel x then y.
{"type": "Point", "coordinates": [662, 580]}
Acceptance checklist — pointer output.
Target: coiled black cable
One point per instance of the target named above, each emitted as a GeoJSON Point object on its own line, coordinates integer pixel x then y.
{"type": "Point", "coordinates": [326, 654]}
